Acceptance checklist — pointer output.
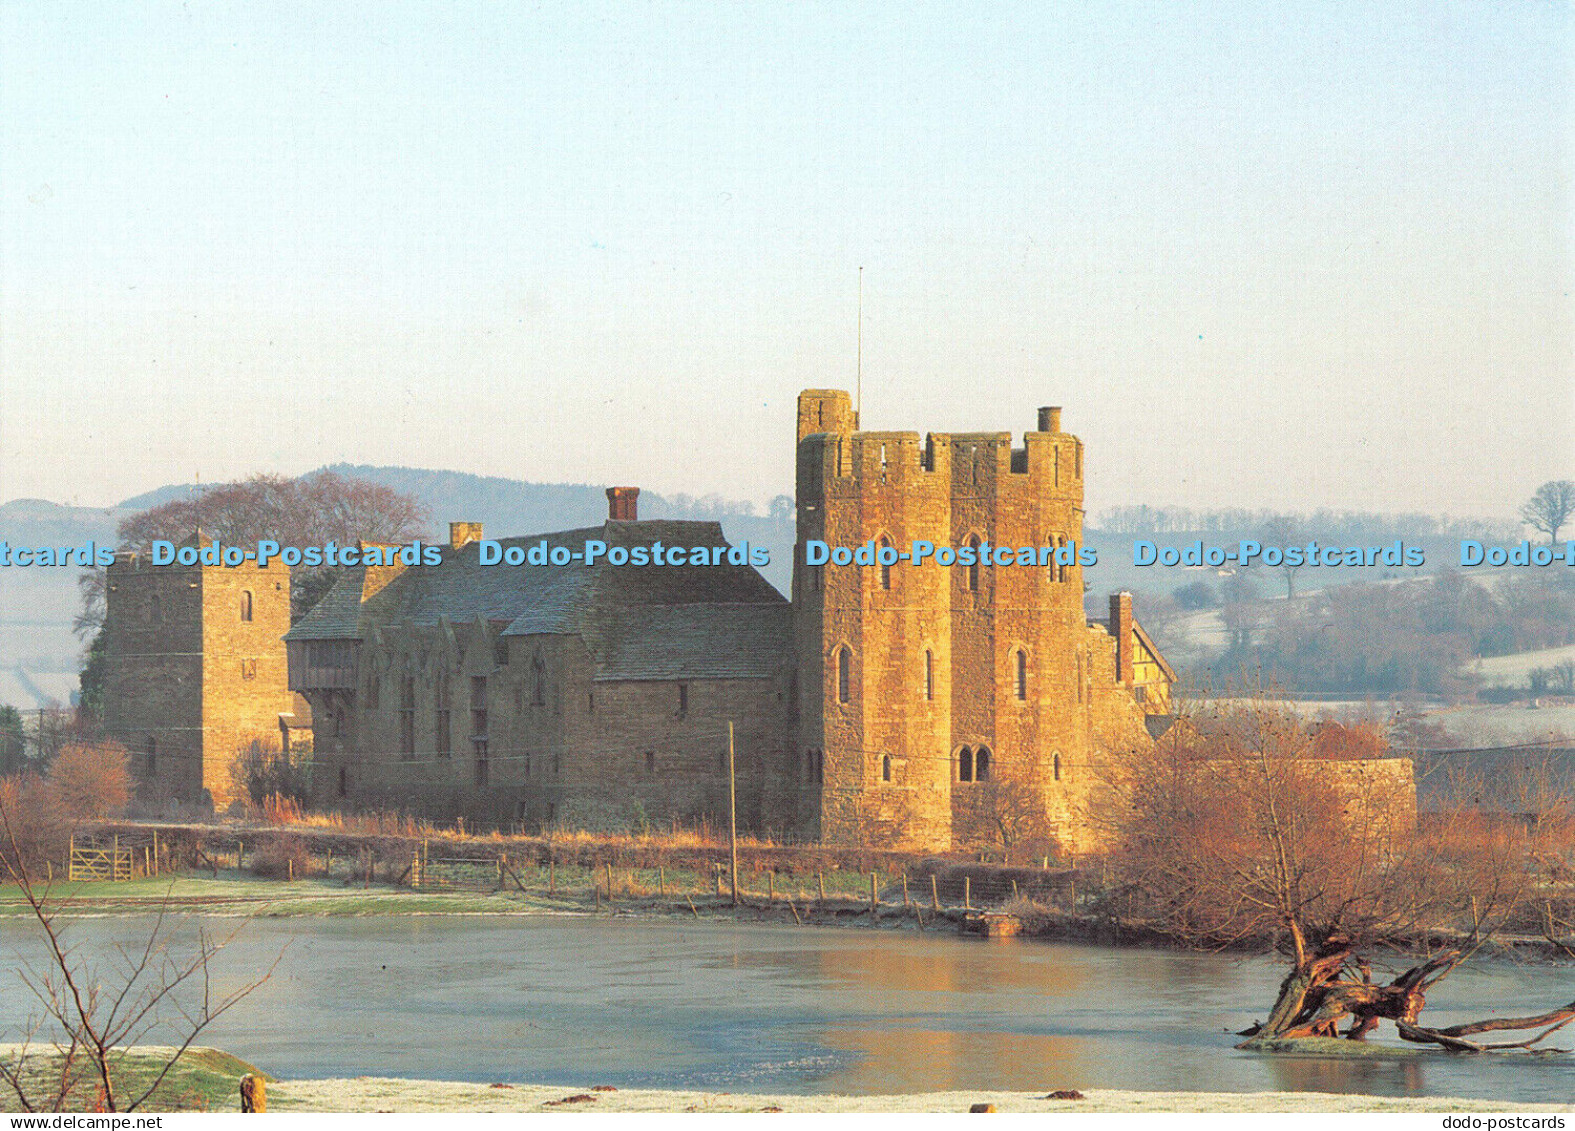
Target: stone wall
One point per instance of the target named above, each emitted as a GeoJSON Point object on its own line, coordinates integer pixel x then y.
{"type": "Point", "coordinates": [560, 745]}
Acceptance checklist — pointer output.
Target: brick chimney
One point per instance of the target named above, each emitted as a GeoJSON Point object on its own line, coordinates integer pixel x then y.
{"type": "Point", "coordinates": [1121, 630]}
{"type": "Point", "coordinates": [623, 504]}
{"type": "Point", "coordinates": [463, 534]}
{"type": "Point", "coordinates": [1050, 420]}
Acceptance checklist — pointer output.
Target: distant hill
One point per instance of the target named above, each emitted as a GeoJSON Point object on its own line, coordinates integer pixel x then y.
{"type": "Point", "coordinates": [40, 656]}
{"type": "Point", "coordinates": [511, 506]}
{"type": "Point", "coordinates": [38, 650]}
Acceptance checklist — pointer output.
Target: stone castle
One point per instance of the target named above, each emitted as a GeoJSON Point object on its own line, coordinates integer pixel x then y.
{"type": "Point", "coordinates": [923, 706]}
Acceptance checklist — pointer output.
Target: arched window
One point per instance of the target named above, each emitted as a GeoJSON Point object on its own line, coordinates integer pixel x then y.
{"type": "Point", "coordinates": [885, 569]}
{"type": "Point", "coordinates": [885, 767]}
{"type": "Point", "coordinates": [929, 674]}
{"type": "Point", "coordinates": [973, 569]}
{"type": "Point", "coordinates": [965, 764]}
{"type": "Point", "coordinates": [246, 605]}
{"type": "Point", "coordinates": [538, 673]}
{"type": "Point", "coordinates": [981, 764]}
{"type": "Point", "coordinates": [1021, 662]}
{"type": "Point", "coordinates": [1056, 765]}
{"type": "Point", "coordinates": [844, 675]}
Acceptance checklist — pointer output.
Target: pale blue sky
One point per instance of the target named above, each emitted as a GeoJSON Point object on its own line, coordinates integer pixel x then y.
{"type": "Point", "coordinates": [1292, 255]}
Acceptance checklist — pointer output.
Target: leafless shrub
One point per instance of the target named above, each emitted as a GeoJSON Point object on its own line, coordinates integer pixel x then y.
{"type": "Point", "coordinates": [90, 1014]}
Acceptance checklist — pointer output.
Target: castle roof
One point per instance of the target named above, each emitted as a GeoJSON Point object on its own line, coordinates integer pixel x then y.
{"type": "Point", "coordinates": [639, 621]}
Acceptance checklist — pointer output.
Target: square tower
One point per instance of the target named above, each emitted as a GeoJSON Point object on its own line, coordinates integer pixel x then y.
{"type": "Point", "coordinates": [195, 669]}
{"type": "Point", "coordinates": [940, 703]}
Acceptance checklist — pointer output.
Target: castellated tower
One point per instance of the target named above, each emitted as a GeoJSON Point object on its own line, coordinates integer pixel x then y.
{"type": "Point", "coordinates": [937, 703]}
{"type": "Point", "coordinates": [195, 670]}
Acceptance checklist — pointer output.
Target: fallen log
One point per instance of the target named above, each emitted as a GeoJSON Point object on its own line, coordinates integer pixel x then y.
{"type": "Point", "coordinates": [1333, 985]}
{"type": "Point", "coordinates": [1453, 1038]}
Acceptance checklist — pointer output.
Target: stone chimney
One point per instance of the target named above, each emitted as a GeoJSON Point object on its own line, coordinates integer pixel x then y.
{"type": "Point", "coordinates": [1050, 419]}
{"type": "Point", "coordinates": [623, 504]}
{"type": "Point", "coordinates": [463, 534]}
{"type": "Point", "coordinates": [1121, 630]}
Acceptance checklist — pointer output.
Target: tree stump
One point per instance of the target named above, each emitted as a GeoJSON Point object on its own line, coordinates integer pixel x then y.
{"type": "Point", "coordinates": [254, 1094]}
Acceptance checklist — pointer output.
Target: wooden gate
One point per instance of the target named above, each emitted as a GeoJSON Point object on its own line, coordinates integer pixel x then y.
{"type": "Point", "coordinates": [477, 872]}
{"type": "Point", "coordinates": [99, 862]}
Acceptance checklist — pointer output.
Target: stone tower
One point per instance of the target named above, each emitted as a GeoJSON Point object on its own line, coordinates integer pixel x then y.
{"type": "Point", "coordinates": [934, 699]}
{"type": "Point", "coordinates": [195, 670]}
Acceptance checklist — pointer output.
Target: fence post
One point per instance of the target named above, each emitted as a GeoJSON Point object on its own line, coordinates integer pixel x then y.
{"type": "Point", "coordinates": [661, 881]}
{"type": "Point", "coordinates": [820, 881]}
{"type": "Point", "coordinates": [967, 893]}
{"type": "Point", "coordinates": [906, 902]}
{"type": "Point", "coordinates": [771, 887]}
{"type": "Point", "coordinates": [609, 883]}
{"type": "Point", "coordinates": [935, 892]}
{"type": "Point", "coordinates": [71, 860]}
{"type": "Point", "coordinates": [552, 876]}
{"type": "Point", "coordinates": [874, 897]}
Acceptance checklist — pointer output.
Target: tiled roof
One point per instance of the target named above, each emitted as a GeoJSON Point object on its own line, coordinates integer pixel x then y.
{"type": "Point", "coordinates": [690, 641]}
{"type": "Point", "coordinates": [640, 622]}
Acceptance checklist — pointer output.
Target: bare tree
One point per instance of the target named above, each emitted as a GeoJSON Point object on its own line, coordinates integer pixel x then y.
{"type": "Point", "coordinates": [1550, 507]}
{"type": "Point", "coordinates": [1283, 530]}
{"type": "Point", "coordinates": [1245, 824]}
{"type": "Point", "coordinates": [1018, 815]}
{"type": "Point", "coordinates": [91, 1016]}
{"type": "Point", "coordinates": [308, 511]}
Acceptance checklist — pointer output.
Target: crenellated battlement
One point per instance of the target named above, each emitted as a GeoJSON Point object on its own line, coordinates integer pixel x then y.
{"type": "Point", "coordinates": [835, 458]}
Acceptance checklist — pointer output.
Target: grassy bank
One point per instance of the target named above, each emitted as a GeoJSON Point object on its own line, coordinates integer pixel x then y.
{"type": "Point", "coordinates": [232, 893]}
{"type": "Point", "coordinates": [202, 1080]}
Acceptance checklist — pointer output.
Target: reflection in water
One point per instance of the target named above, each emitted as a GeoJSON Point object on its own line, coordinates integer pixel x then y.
{"type": "Point", "coordinates": [1397, 1076]}
{"type": "Point", "coordinates": [580, 1001]}
{"type": "Point", "coordinates": [909, 1060]}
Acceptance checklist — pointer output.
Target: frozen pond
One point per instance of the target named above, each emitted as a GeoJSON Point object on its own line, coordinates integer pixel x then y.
{"type": "Point", "coordinates": [667, 1003]}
